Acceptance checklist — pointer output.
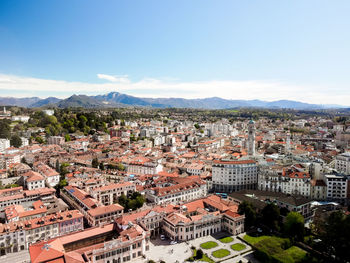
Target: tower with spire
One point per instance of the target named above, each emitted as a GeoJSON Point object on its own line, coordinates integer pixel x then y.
{"type": "Point", "coordinates": [251, 138]}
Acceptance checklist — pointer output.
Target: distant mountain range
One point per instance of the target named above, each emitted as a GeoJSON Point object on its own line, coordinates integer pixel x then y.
{"type": "Point", "coordinates": [116, 99]}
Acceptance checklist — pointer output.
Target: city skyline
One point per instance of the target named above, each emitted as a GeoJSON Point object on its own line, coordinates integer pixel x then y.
{"type": "Point", "coordinates": [182, 49]}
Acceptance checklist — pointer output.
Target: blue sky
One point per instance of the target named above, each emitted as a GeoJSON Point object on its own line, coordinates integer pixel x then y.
{"type": "Point", "coordinates": [233, 49]}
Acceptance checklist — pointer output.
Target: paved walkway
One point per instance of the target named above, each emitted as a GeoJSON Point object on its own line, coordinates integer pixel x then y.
{"type": "Point", "coordinates": [197, 242]}
{"type": "Point", "coordinates": [178, 253]}
{"type": "Point", "coordinates": [19, 257]}
{"type": "Point", "coordinates": [162, 250]}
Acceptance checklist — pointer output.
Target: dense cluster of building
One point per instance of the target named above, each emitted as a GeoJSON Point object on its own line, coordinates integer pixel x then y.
{"type": "Point", "coordinates": [193, 176]}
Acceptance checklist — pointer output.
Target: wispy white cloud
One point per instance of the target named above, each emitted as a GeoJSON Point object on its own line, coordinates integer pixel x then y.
{"type": "Point", "coordinates": [112, 78]}
{"type": "Point", "coordinates": [11, 85]}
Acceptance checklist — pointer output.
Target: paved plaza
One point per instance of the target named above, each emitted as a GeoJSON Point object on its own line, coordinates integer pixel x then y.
{"type": "Point", "coordinates": [19, 257]}
{"type": "Point", "coordinates": [161, 250]}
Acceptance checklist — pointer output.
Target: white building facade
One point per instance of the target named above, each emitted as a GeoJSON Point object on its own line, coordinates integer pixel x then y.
{"type": "Point", "coordinates": [231, 176]}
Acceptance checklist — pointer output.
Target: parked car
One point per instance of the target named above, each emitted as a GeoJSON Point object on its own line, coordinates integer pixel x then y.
{"type": "Point", "coordinates": [173, 242]}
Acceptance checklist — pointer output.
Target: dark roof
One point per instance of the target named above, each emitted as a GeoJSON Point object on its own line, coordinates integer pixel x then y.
{"type": "Point", "coordinates": [260, 198]}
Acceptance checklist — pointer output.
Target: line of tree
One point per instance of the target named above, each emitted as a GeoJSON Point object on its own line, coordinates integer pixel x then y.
{"type": "Point", "coordinates": [270, 217]}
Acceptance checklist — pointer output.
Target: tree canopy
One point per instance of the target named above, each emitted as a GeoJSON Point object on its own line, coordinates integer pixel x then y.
{"type": "Point", "coordinates": [16, 141]}
{"type": "Point", "coordinates": [294, 226]}
{"type": "Point", "coordinates": [5, 129]}
{"type": "Point", "coordinates": [248, 210]}
{"type": "Point", "coordinates": [271, 216]}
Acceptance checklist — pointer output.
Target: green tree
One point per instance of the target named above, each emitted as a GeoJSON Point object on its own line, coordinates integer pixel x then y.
{"type": "Point", "coordinates": [199, 254]}
{"type": "Point", "coordinates": [39, 139]}
{"type": "Point", "coordinates": [16, 141]}
{"type": "Point", "coordinates": [5, 129]}
{"type": "Point", "coordinates": [197, 126]}
{"type": "Point", "coordinates": [101, 166]}
{"type": "Point", "coordinates": [82, 122]}
{"type": "Point", "coordinates": [58, 166]}
{"type": "Point", "coordinates": [294, 226]}
{"type": "Point", "coordinates": [63, 169]}
{"type": "Point", "coordinates": [270, 216]}
{"type": "Point", "coordinates": [122, 200]}
{"type": "Point", "coordinates": [247, 209]}
{"type": "Point", "coordinates": [67, 138]}
{"type": "Point", "coordinates": [135, 201]}
{"type": "Point", "coordinates": [63, 183]}
{"type": "Point", "coordinates": [120, 167]}
{"type": "Point", "coordinates": [132, 138]}
{"type": "Point", "coordinates": [94, 163]}
{"type": "Point", "coordinates": [335, 234]}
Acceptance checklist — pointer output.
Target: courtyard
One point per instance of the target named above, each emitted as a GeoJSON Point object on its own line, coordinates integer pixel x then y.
{"type": "Point", "coordinates": [219, 247]}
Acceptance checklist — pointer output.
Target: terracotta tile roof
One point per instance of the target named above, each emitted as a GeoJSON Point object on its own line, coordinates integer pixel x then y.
{"type": "Point", "coordinates": [82, 196]}
{"type": "Point", "coordinates": [162, 191]}
{"type": "Point", "coordinates": [47, 251]}
{"type": "Point", "coordinates": [105, 209]}
{"type": "Point", "coordinates": [33, 176]}
{"type": "Point", "coordinates": [176, 218]}
{"type": "Point", "coordinates": [234, 162]}
{"type": "Point", "coordinates": [8, 191]}
{"type": "Point", "coordinates": [40, 191]}
{"type": "Point", "coordinates": [88, 233]}
{"type": "Point", "coordinates": [42, 221]}
{"type": "Point", "coordinates": [112, 186]}
{"type": "Point", "coordinates": [231, 213]}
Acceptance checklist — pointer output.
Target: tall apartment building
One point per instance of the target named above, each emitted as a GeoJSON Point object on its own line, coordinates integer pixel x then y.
{"type": "Point", "coordinates": [231, 176]}
{"type": "Point", "coordinates": [342, 163]}
{"type": "Point", "coordinates": [337, 186]}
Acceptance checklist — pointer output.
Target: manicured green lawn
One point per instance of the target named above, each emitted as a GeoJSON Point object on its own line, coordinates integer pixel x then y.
{"type": "Point", "coordinates": [274, 248]}
{"type": "Point", "coordinates": [209, 245]}
{"type": "Point", "coordinates": [226, 240]}
{"type": "Point", "coordinates": [221, 253]}
{"type": "Point", "coordinates": [205, 257]}
{"type": "Point", "coordinates": [296, 253]}
{"type": "Point", "coordinates": [253, 240]}
{"type": "Point", "coordinates": [238, 246]}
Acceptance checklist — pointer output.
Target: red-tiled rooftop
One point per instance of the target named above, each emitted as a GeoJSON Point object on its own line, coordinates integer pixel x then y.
{"type": "Point", "coordinates": [234, 162]}
{"type": "Point", "coordinates": [33, 176]}
{"type": "Point", "coordinates": [112, 186]}
{"type": "Point", "coordinates": [88, 233]}
{"type": "Point", "coordinates": [105, 209]}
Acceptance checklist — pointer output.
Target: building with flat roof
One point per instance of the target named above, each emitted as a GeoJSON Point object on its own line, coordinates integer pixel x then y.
{"type": "Point", "coordinates": [234, 175]}
{"type": "Point", "coordinates": [342, 163]}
